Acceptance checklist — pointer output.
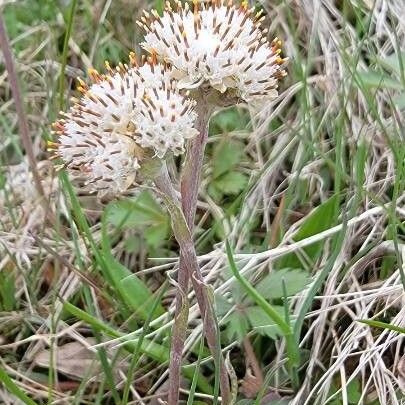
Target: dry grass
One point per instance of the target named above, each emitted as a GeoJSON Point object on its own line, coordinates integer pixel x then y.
{"type": "Point", "coordinates": [336, 134]}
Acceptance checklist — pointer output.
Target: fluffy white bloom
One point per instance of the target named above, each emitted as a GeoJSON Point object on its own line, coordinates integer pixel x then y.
{"type": "Point", "coordinates": [106, 160]}
{"type": "Point", "coordinates": [219, 44]}
{"type": "Point", "coordinates": [164, 118]}
{"type": "Point", "coordinates": [119, 118]}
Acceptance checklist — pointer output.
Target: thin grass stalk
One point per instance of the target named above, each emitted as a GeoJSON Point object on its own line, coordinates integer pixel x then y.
{"type": "Point", "coordinates": [22, 118]}
{"type": "Point", "coordinates": [190, 265]}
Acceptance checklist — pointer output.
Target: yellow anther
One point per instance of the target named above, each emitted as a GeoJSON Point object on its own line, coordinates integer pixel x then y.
{"type": "Point", "coordinates": [92, 71]}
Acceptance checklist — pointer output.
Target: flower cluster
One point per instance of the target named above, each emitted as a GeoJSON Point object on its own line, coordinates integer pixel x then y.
{"type": "Point", "coordinates": [133, 112]}
{"type": "Point", "coordinates": [122, 115]}
{"type": "Point", "coordinates": [223, 45]}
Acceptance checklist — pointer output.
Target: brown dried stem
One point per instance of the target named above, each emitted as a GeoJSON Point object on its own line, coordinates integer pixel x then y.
{"type": "Point", "coordinates": [22, 120]}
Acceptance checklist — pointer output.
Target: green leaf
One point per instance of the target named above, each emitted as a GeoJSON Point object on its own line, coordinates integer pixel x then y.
{"type": "Point", "coordinates": [399, 101]}
{"type": "Point", "coordinates": [271, 287]}
{"type": "Point", "coordinates": [222, 305]}
{"type": "Point", "coordinates": [237, 326]}
{"type": "Point", "coordinates": [7, 291]}
{"type": "Point", "coordinates": [214, 192]}
{"type": "Point", "coordinates": [378, 80]}
{"type": "Point", "coordinates": [157, 234]}
{"type": "Point", "coordinates": [261, 322]}
{"type": "Point", "coordinates": [131, 288]}
{"type": "Point", "coordinates": [392, 62]}
{"type": "Point", "coordinates": [130, 213]}
{"type": "Point", "coordinates": [231, 183]}
{"type": "Point", "coordinates": [154, 350]}
{"type": "Point", "coordinates": [383, 325]}
{"type": "Point", "coordinates": [14, 388]}
{"type": "Point", "coordinates": [132, 244]}
{"type": "Point", "coordinates": [320, 219]}
{"type": "Point", "coordinates": [229, 120]}
{"type": "Point", "coordinates": [143, 214]}
{"type": "Point", "coordinates": [360, 163]}
{"type": "Point", "coordinates": [353, 392]}
{"type": "Point", "coordinates": [227, 154]}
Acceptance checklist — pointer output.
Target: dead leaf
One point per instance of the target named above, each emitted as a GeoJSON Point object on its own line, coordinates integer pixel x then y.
{"type": "Point", "coordinates": [73, 359]}
{"type": "Point", "coordinates": [251, 385]}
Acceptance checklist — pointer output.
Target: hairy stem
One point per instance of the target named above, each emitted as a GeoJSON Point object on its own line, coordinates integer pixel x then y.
{"type": "Point", "coordinates": [191, 173]}
{"type": "Point", "coordinates": [190, 180]}
{"type": "Point", "coordinates": [190, 266]}
{"type": "Point", "coordinates": [189, 192]}
{"type": "Point", "coordinates": [179, 330]}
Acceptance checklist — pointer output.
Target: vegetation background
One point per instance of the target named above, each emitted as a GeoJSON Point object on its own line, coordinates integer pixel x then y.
{"type": "Point", "coordinates": [309, 193]}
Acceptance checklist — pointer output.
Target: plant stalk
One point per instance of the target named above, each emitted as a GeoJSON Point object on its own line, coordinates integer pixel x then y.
{"type": "Point", "coordinates": [190, 266]}
{"type": "Point", "coordinates": [189, 191]}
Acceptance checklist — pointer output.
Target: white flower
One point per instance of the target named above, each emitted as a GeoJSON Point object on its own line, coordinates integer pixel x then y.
{"type": "Point", "coordinates": [107, 160]}
{"type": "Point", "coordinates": [164, 118]}
{"type": "Point", "coordinates": [219, 44]}
{"type": "Point", "coordinates": [118, 119]}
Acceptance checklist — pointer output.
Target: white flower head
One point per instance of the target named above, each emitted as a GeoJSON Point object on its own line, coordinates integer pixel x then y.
{"type": "Point", "coordinates": [164, 118]}
{"type": "Point", "coordinates": [106, 160]}
{"type": "Point", "coordinates": [123, 117]}
{"type": "Point", "coordinates": [219, 44]}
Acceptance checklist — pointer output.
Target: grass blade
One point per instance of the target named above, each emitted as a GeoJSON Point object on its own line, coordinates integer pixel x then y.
{"type": "Point", "coordinates": [14, 389]}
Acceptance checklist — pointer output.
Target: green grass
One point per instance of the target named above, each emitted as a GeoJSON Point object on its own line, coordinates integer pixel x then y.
{"type": "Point", "coordinates": [310, 195]}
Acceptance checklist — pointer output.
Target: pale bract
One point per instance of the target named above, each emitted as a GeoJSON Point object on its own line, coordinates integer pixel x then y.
{"type": "Point", "coordinates": [222, 45]}
{"type": "Point", "coordinates": [122, 117]}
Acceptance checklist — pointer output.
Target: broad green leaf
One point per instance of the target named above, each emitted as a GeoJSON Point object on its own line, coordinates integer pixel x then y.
{"type": "Point", "coordinates": [237, 326]}
{"type": "Point", "coordinates": [261, 322]}
{"type": "Point", "coordinates": [143, 214]}
{"type": "Point", "coordinates": [399, 101]}
{"type": "Point", "coordinates": [227, 154]}
{"type": "Point", "coordinates": [139, 212]}
{"type": "Point", "coordinates": [353, 391]}
{"type": "Point", "coordinates": [222, 305]}
{"type": "Point", "coordinates": [378, 80]}
{"type": "Point", "coordinates": [231, 183]}
{"type": "Point", "coordinates": [132, 244]}
{"type": "Point", "coordinates": [320, 219]}
{"type": "Point", "coordinates": [392, 62]}
{"type": "Point", "coordinates": [214, 192]}
{"type": "Point", "coordinates": [131, 288]}
{"type": "Point", "coordinates": [229, 120]}
{"type": "Point", "coordinates": [155, 235]}
{"type": "Point", "coordinates": [271, 287]}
